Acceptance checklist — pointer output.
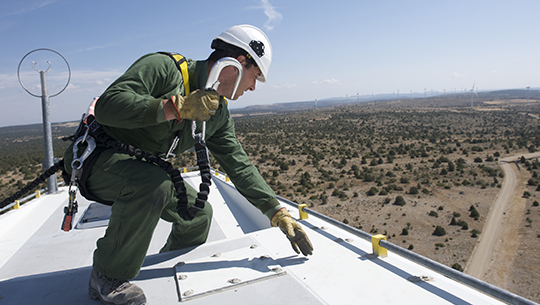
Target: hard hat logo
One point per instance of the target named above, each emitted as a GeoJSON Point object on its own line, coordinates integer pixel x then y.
{"type": "Point", "coordinates": [257, 47]}
{"type": "Point", "coordinates": [254, 42]}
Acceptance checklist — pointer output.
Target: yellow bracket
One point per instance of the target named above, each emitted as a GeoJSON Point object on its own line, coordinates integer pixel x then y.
{"type": "Point", "coordinates": [217, 174]}
{"type": "Point", "coordinates": [185, 170]}
{"type": "Point", "coordinates": [17, 205]}
{"type": "Point", "coordinates": [303, 215]}
{"type": "Point", "coordinates": [38, 195]}
{"type": "Point", "coordinates": [377, 249]}
{"type": "Point", "coordinates": [227, 178]}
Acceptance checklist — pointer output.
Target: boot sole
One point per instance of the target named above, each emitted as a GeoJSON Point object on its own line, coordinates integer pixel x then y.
{"type": "Point", "coordinates": [94, 294]}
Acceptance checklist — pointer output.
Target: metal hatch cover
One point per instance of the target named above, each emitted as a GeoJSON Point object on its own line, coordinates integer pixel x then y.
{"type": "Point", "coordinates": [224, 271]}
{"type": "Point", "coordinates": [96, 215]}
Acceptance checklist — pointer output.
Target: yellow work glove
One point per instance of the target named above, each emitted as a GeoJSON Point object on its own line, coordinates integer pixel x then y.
{"type": "Point", "coordinates": [199, 105]}
{"type": "Point", "coordinates": [293, 231]}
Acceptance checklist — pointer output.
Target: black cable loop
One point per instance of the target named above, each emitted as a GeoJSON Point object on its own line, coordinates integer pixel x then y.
{"type": "Point", "coordinates": [49, 172]}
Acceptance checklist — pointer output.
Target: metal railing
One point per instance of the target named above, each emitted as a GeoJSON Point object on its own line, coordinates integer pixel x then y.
{"type": "Point", "coordinates": [454, 274]}
{"type": "Point", "coordinates": [43, 191]}
{"type": "Point", "coordinates": [18, 202]}
{"type": "Point", "coordinates": [24, 199]}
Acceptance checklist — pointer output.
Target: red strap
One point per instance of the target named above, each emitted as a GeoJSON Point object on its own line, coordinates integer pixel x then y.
{"type": "Point", "coordinates": [275, 214]}
{"type": "Point", "coordinates": [175, 108]}
{"type": "Point", "coordinates": [67, 223]}
{"type": "Point", "coordinates": [91, 109]}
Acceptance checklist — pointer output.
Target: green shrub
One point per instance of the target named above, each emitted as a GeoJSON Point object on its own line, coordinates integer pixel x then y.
{"type": "Point", "coordinates": [464, 225]}
{"type": "Point", "coordinates": [457, 267]}
{"type": "Point", "coordinates": [399, 201]}
{"type": "Point", "coordinates": [439, 231]}
{"type": "Point", "coordinates": [474, 233]}
{"type": "Point", "coordinates": [372, 191]}
{"type": "Point", "coordinates": [474, 213]}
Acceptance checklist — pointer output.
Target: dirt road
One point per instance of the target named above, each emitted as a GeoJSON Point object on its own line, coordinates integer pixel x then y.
{"type": "Point", "coordinates": [481, 257]}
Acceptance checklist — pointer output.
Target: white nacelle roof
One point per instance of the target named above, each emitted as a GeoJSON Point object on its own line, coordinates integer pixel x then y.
{"type": "Point", "coordinates": [244, 261]}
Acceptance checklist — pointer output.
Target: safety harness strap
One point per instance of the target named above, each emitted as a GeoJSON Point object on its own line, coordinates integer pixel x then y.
{"type": "Point", "coordinates": [187, 213]}
{"type": "Point", "coordinates": [181, 63]}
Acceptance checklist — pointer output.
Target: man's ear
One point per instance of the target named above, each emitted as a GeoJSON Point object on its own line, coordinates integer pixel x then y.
{"type": "Point", "coordinates": [241, 59]}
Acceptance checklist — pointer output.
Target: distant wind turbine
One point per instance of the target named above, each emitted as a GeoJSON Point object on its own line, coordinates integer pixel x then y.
{"type": "Point", "coordinates": [473, 94]}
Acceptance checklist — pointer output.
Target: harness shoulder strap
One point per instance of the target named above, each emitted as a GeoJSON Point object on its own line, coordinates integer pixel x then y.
{"type": "Point", "coordinates": [181, 63]}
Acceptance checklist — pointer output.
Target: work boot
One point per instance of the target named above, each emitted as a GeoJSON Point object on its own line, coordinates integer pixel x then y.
{"type": "Point", "coordinates": [113, 291]}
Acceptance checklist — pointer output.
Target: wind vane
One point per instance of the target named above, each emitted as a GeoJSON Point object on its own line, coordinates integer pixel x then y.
{"type": "Point", "coordinates": [52, 184]}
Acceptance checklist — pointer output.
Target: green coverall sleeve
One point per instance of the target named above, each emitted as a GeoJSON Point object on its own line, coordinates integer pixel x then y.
{"type": "Point", "coordinates": [135, 98]}
{"type": "Point", "coordinates": [245, 176]}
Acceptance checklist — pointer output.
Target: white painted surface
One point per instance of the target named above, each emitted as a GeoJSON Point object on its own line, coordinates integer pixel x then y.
{"type": "Point", "coordinates": [48, 266]}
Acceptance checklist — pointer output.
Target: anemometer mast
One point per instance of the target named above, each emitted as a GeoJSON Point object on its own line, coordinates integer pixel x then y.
{"type": "Point", "coordinates": [52, 183]}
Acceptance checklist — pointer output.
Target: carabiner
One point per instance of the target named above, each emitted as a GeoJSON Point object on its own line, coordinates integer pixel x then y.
{"type": "Point", "coordinates": [170, 153]}
{"type": "Point", "coordinates": [198, 136]}
{"type": "Point", "coordinates": [77, 162]}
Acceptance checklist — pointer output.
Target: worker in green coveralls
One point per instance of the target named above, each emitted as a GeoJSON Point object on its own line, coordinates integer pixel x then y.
{"type": "Point", "coordinates": [145, 108]}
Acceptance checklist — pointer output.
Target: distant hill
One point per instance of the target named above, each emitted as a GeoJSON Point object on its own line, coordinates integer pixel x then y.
{"type": "Point", "coordinates": [24, 144]}
{"type": "Point", "coordinates": [295, 106]}
{"type": "Point", "coordinates": [512, 94]}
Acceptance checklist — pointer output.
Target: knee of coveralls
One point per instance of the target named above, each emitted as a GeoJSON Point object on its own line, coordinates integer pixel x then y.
{"type": "Point", "coordinates": [186, 233]}
{"type": "Point", "coordinates": [140, 191]}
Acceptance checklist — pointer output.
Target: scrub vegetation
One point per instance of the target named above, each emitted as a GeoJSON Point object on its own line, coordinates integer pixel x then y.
{"type": "Point", "coordinates": [419, 172]}
{"type": "Point", "coordinates": [22, 152]}
{"type": "Point", "coordinates": [422, 172]}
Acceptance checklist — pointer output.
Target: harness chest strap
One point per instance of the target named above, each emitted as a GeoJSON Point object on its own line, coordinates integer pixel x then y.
{"type": "Point", "coordinates": [187, 213]}
{"type": "Point", "coordinates": [181, 64]}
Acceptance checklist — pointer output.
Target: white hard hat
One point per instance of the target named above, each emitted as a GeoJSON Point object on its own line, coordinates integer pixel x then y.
{"type": "Point", "coordinates": [252, 40]}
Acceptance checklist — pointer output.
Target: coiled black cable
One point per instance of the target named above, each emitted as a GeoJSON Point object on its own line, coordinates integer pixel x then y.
{"type": "Point", "coordinates": [51, 171]}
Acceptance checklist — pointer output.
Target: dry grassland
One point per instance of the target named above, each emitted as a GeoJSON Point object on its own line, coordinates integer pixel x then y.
{"type": "Point", "coordinates": [315, 157]}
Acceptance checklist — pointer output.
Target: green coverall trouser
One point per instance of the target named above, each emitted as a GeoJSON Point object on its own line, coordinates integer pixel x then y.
{"type": "Point", "coordinates": [142, 194]}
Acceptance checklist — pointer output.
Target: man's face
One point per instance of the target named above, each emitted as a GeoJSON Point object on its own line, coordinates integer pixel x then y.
{"type": "Point", "coordinates": [227, 80]}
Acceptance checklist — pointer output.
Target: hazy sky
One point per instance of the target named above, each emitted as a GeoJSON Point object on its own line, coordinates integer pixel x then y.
{"type": "Point", "coordinates": [321, 49]}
